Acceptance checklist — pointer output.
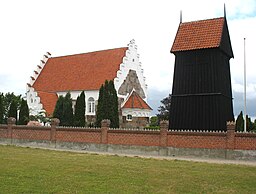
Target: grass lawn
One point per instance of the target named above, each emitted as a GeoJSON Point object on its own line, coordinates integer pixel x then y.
{"type": "Point", "coordinates": [27, 170]}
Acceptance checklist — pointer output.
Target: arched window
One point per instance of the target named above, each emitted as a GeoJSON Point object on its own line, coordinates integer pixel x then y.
{"type": "Point", "coordinates": [91, 105]}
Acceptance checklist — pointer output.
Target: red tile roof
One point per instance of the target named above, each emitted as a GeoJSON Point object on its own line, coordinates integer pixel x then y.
{"type": "Point", "coordinates": [79, 72]}
{"type": "Point", "coordinates": [135, 101]}
{"type": "Point", "coordinates": [198, 35]}
{"type": "Point", "coordinates": [48, 100]}
{"type": "Point", "coordinates": [76, 72]}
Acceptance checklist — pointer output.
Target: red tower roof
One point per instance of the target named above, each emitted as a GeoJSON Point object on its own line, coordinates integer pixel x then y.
{"type": "Point", "coordinates": [135, 101]}
{"type": "Point", "coordinates": [198, 35]}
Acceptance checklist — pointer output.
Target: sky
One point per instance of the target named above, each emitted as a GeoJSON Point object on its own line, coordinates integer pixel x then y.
{"type": "Point", "coordinates": [30, 28]}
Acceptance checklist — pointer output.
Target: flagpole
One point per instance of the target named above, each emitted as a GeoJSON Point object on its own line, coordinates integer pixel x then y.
{"type": "Point", "coordinates": [244, 89]}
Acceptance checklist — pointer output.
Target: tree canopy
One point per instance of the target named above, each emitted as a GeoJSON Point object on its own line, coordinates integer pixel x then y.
{"type": "Point", "coordinates": [5, 103]}
{"type": "Point", "coordinates": [164, 108]}
{"type": "Point", "coordinates": [79, 116]}
{"type": "Point", "coordinates": [250, 126]}
{"type": "Point", "coordinates": [24, 113]}
{"type": "Point", "coordinates": [108, 105]}
{"type": "Point", "coordinates": [63, 110]}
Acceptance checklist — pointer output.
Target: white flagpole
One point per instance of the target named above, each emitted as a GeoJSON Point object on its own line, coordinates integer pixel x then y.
{"type": "Point", "coordinates": [244, 89]}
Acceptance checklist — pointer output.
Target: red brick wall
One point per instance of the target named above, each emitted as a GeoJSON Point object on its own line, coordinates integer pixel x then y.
{"type": "Point", "coordinates": [126, 137]}
{"type": "Point", "coordinates": [33, 133]}
{"type": "Point", "coordinates": [245, 141]}
{"type": "Point", "coordinates": [197, 140]}
{"type": "Point", "coordinates": [179, 139]}
{"type": "Point", "coordinates": [78, 135]}
{"type": "Point", "coordinates": [3, 131]}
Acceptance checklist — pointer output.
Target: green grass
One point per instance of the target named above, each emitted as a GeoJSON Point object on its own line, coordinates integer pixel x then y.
{"type": "Point", "coordinates": [27, 170]}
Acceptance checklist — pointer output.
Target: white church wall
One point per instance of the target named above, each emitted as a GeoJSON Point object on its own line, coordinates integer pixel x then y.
{"type": "Point", "coordinates": [88, 94]}
{"type": "Point", "coordinates": [135, 112]}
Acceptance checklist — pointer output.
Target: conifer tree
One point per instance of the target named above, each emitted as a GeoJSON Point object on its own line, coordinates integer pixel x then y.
{"type": "Point", "coordinates": [240, 122]}
{"type": "Point", "coordinates": [67, 111]}
{"type": "Point", "coordinates": [24, 113]}
{"type": "Point", "coordinates": [58, 111]}
{"type": "Point", "coordinates": [79, 117]}
{"type": "Point", "coordinates": [13, 110]}
{"type": "Point", "coordinates": [99, 112]}
{"type": "Point", "coordinates": [113, 103]}
{"type": "Point", "coordinates": [1, 109]}
{"type": "Point", "coordinates": [108, 105]}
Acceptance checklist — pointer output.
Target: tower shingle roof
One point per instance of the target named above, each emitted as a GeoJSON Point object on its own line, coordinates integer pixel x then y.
{"type": "Point", "coordinates": [199, 35]}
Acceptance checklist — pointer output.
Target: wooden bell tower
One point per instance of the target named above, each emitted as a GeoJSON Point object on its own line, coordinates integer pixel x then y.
{"type": "Point", "coordinates": [201, 92]}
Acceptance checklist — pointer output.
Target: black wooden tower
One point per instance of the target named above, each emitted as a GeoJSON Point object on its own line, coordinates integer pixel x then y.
{"type": "Point", "coordinates": [201, 93]}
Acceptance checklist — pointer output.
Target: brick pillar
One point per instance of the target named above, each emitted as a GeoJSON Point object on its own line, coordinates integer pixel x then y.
{"type": "Point", "coordinates": [10, 122]}
{"type": "Point", "coordinates": [104, 131]}
{"type": "Point", "coordinates": [163, 132]}
{"type": "Point", "coordinates": [231, 135]}
{"type": "Point", "coordinates": [54, 123]}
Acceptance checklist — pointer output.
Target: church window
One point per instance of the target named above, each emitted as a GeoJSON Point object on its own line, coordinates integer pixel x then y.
{"type": "Point", "coordinates": [129, 117]}
{"type": "Point", "coordinates": [31, 100]}
{"type": "Point", "coordinates": [91, 105]}
{"type": "Point", "coordinates": [133, 60]}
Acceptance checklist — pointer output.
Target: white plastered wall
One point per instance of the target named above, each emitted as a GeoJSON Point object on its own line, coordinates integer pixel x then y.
{"type": "Point", "coordinates": [136, 112]}
{"type": "Point", "coordinates": [88, 94]}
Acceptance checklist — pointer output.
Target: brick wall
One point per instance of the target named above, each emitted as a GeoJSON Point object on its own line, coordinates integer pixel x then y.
{"type": "Point", "coordinates": [229, 139]}
{"type": "Point", "coordinates": [197, 140]}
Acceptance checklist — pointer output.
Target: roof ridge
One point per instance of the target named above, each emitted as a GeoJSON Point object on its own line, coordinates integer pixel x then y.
{"type": "Point", "coordinates": [91, 52]}
{"type": "Point", "coordinates": [202, 20]}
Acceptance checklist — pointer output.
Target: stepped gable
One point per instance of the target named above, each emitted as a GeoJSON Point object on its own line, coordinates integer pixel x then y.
{"type": "Point", "coordinates": [203, 34]}
{"type": "Point", "coordinates": [79, 72]}
{"type": "Point", "coordinates": [135, 101]}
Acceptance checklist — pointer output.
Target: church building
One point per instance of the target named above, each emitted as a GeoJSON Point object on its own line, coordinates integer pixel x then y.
{"type": "Point", "coordinates": [201, 94]}
{"type": "Point", "coordinates": [86, 72]}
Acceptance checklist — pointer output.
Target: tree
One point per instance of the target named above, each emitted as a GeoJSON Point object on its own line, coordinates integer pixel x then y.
{"type": "Point", "coordinates": [100, 112]}
{"type": "Point", "coordinates": [108, 105]}
{"type": "Point", "coordinates": [164, 108]}
{"type": "Point", "coordinates": [254, 126]}
{"type": "Point", "coordinates": [1, 109]}
{"type": "Point", "coordinates": [154, 121]}
{"type": "Point", "coordinates": [8, 98]}
{"type": "Point", "coordinates": [63, 110]}
{"type": "Point", "coordinates": [13, 110]}
{"type": "Point", "coordinates": [58, 111]}
{"type": "Point", "coordinates": [24, 113]}
{"type": "Point", "coordinates": [240, 122]}
{"type": "Point", "coordinates": [67, 111]}
{"type": "Point", "coordinates": [113, 105]}
{"type": "Point", "coordinates": [79, 116]}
